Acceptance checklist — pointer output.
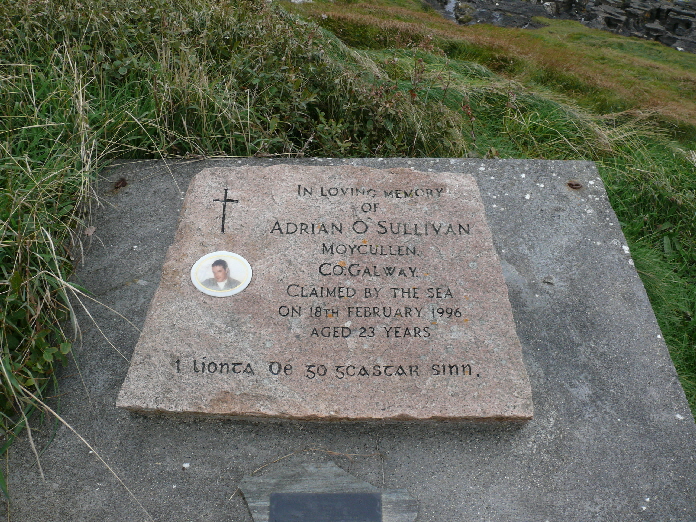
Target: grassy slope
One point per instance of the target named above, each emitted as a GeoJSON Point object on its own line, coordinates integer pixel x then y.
{"type": "Point", "coordinates": [601, 70]}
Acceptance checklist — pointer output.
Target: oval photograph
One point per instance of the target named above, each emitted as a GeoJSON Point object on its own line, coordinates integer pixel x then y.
{"type": "Point", "coordinates": [221, 274]}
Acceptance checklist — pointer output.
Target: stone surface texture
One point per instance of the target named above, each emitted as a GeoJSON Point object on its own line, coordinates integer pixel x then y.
{"type": "Point", "coordinates": [612, 437]}
{"type": "Point", "coordinates": [429, 231]}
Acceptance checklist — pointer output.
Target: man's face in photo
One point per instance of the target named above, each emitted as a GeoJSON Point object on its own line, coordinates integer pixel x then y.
{"type": "Point", "coordinates": [220, 273]}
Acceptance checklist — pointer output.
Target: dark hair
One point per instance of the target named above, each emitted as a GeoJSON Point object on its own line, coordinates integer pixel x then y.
{"type": "Point", "coordinates": [221, 262]}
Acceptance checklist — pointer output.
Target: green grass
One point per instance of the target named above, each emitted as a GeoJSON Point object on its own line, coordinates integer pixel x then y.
{"type": "Point", "coordinates": [626, 72]}
{"type": "Point", "coordinates": [122, 79]}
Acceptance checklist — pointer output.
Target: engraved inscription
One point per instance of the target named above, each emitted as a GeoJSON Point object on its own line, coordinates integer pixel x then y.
{"type": "Point", "coordinates": [207, 368]}
{"type": "Point", "coordinates": [390, 320]}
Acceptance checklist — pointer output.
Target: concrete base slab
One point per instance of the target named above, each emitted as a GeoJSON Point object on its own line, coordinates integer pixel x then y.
{"type": "Point", "coordinates": [612, 436]}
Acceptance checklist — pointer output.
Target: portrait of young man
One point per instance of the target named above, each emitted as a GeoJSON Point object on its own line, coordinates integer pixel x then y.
{"type": "Point", "coordinates": [221, 279]}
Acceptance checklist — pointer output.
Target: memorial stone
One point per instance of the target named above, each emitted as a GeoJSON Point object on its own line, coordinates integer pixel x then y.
{"type": "Point", "coordinates": [331, 293]}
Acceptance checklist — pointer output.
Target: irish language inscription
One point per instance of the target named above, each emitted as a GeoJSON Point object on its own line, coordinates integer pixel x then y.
{"type": "Point", "coordinates": [375, 295]}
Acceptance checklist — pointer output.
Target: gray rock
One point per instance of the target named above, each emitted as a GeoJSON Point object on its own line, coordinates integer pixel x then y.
{"type": "Point", "coordinates": [670, 23]}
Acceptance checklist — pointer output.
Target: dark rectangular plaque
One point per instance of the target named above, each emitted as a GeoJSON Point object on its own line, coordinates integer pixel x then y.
{"type": "Point", "coordinates": [325, 507]}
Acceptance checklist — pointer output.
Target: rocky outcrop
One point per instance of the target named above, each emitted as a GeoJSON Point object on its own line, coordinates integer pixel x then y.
{"type": "Point", "coordinates": [672, 23]}
{"type": "Point", "coordinates": [505, 13]}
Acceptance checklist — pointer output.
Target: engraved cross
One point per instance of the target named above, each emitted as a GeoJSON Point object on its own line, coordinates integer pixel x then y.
{"type": "Point", "coordinates": [225, 200]}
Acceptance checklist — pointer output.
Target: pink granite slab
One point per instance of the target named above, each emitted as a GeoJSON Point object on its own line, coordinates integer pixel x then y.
{"type": "Point", "coordinates": [376, 294]}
